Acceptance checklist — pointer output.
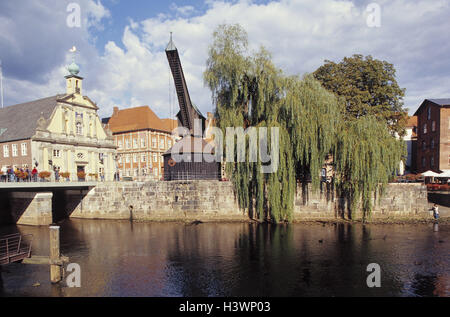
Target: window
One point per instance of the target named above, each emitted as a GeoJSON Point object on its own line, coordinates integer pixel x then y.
{"type": "Point", "coordinates": [5, 151]}
{"type": "Point", "coordinates": [79, 128]}
{"type": "Point", "coordinates": [425, 128]}
{"type": "Point", "coordinates": [155, 171]}
{"type": "Point", "coordinates": [127, 143]}
{"type": "Point", "coordinates": [432, 143]}
{"type": "Point", "coordinates": [14, 150]}
{"type": "Point", "coordinates": [120, 159]}
{"type": "Point", "coordinates": [127, 158]}
{"type": "Point", "coordinates": [119, 144]}
{"type": "Point", "coordinates": [429, 113]}
{"type": "Point", "coordinates": [433, 126]}
{"type": "Point", "coordinates": [154, 142]}
{"type": "Point", "coordinates": [432, 161]}
{"type": "Point", "coordinates": [142, 142]}
{"type": "Point", "coordinates": [169, 143]}
{"type": "Point", "coordinates": [161, 143]}
{"type": "Point", "coordinates": [143, 158]}
{"type": "Point", "coordinates": [424, 145]}
{"type": "Point", "coordinates": [24, 149]}
{"type": "Point", "coordinates": [56, 153]}
{"type": "Point", "coordinates": [423, 162]}
{"type": "Point", "coordinates": [135, 158]}
{"type": "Point", "coordinates": [135, 144]}
{"type": "Point", "coordinates": [78, 115]}
{"type": "Point", "coordinates": [155, 157]}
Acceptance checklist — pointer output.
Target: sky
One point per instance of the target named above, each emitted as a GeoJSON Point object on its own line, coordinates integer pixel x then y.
{"type": "Point", "coordinates": [120, 45]}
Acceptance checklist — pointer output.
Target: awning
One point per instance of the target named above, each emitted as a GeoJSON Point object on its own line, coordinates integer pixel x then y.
{"type": "Point", "coordinates": [445, 173]}
{"type": "Point", "coordinates": [430, 174]}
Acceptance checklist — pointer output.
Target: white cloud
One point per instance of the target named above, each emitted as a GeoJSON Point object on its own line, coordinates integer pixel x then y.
{"type": "Point", "coordinates": [300, 35]}
{"type": "Point", "coordinates": [183, 10]}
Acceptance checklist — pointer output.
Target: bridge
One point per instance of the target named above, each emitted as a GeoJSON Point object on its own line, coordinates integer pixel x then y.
{"type": "Point", "coordinates": [40, 203]}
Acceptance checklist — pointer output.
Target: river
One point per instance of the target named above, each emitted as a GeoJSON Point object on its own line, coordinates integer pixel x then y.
{"type": "Point", "coordinates": [119, 258]}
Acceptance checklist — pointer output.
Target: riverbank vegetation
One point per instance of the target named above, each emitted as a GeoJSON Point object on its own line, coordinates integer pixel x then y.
{"type": "Point", "coordinates": [314, 124]}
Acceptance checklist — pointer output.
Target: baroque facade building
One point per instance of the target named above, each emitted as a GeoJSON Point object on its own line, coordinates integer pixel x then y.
{"type": "Point", "coordinates": [62, 132]}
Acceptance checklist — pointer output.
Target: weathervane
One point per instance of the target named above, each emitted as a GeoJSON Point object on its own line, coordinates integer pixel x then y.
{"type": "Point", "coordinates": [73, 50]}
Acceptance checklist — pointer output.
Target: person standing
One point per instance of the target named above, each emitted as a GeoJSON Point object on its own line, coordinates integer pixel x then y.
{"type": "Point", "coordinates": [34, 173]}
{"type": "Point", "coordinates": [56, 174]}
{"type": "Point", "coordinates": [4, 173]}
{"type": "Point", "coordinates": [435, 211]}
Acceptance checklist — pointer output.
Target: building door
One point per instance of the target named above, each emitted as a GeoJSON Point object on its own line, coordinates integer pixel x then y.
{"type": "Point", "coordinates": [80, 169]}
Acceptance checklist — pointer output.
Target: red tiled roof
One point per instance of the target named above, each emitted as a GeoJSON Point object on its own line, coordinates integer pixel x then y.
{"type": "Point", "coordinates": [411, 122]}
{"type": "Point", "coordinates": [170, 124]}
{"type": "Point", "coordinates": [137, 118]}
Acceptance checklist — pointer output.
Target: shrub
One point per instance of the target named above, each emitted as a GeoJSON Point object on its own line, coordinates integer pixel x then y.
{"type": "Point", "coordinates": [65, 174]}
{"type": "Point", "coordinates": [44, 174]}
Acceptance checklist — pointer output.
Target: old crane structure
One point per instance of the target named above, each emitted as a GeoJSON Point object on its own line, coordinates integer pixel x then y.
{"type": "Point", "coordinates": [192, 147]}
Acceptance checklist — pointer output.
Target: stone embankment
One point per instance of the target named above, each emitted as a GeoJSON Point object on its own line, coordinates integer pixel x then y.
{"type": "Point", "coordinates": [216, 201]}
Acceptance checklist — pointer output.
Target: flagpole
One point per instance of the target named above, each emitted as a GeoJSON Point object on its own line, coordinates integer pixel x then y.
{"type": "Point", "coordinates": [1, 82]}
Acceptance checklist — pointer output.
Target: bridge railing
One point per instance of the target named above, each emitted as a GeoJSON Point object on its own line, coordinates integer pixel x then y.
{"type": "Point", "coordinates": [15, 247]}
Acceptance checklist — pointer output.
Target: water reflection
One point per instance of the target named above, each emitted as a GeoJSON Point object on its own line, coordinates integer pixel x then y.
{"type": "Point", "coordinates": [238, 259]}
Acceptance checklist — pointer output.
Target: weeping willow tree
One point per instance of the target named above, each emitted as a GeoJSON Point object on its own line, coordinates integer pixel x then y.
{"type": "Point", "coordinates": [249, 91]}
{"type": "Point", "coordinates": [366, 157]}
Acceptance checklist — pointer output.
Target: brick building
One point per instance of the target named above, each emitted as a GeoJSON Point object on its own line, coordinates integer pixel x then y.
{"type": "Point", "coordinates": [141, 138]}
{"type": "Point", "coordinates": [433, 135]}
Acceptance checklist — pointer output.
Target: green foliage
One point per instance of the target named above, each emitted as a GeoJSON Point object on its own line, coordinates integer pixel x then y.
{"type": "Point", "coordinates": [368, 87]}
{"type": "Point", "coordinates": [248, 90]}
{"type": "Point", "coordinates": [366, 157]}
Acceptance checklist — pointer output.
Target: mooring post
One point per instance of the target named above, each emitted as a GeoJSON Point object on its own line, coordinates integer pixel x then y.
{"type": "Point", "coordinates": [55, 270]}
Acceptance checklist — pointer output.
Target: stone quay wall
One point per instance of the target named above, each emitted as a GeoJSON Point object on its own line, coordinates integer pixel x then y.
{"type": "Point", "coordinates": [216, 201]}
{"type": "Point", "coordinates": [400, 200]}
{"type": "Point", "coordinates": [161, 201]}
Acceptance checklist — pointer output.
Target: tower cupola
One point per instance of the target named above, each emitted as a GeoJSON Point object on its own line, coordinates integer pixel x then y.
{"type": "Point", "coordinates": [73, 81]}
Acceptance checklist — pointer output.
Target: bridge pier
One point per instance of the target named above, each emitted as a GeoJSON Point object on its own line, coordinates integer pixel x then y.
{"type": "Point", "coordinates": [31, 208]}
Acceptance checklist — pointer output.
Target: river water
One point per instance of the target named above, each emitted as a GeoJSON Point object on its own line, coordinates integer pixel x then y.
{"type": "Point", "coordinates": [119, 258]}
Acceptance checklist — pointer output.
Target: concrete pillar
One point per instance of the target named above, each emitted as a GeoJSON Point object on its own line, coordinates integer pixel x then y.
{"type": "Point", "coordinates": [31, 208]}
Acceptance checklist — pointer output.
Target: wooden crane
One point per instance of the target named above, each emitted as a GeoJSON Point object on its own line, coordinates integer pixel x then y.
{"type": "Point", "coordinates": [188, 111]}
